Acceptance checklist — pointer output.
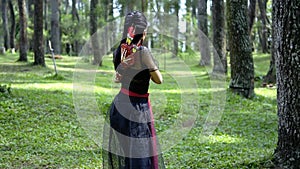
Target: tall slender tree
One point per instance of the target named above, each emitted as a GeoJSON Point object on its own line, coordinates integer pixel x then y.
{"type": "Point", "coordinates": [127, 6]}
{"type": "Point", "coordinates": [55, 26]}
{"type": "Point", "coordinates": [203, 26]}
{"type": "Point", "coordinates": [23, 30]}
{"type": "Point", "coordinates": [218, 23]}
{"type": "Point", "coordinates": [39, 58]}
{"type": "Point", "coordinates": [251, 14]}
{"type": "Point", "coordinates": [5, 25]}
{"type": "Point", "coordinates": [30, 19]}
{"type": "Point", "coordinates": [270, 77]}
{"type": "Point", "coordinates": [93, 16]}
{"type": "Point", "coordinates": [67, 5]}
{"type": "Point", "coordinates": [264, 30]}
{"type": "Point", "coordinates": [76, 21]}
{"type": "Point", "coordinates": [241, 60]}
{"type": "Point", "coordinates": [189, 21]}
{"type": "Point", "coordinates": [251, 20]}
{"type": "Point", "coordinates": [46, 15]}
{"type": "Point", "coordinates": [176, 29]}
{"type": "Point", "coordinates": [12, 26]}
{"type": "Point", "coordinates": [30, 8]}
{"type": "Point", "coordinates": [144, 5]}
{"type": "Point", "coordinates": [93, 29]}
{"type": "Point", "coordinates": [287, 46]}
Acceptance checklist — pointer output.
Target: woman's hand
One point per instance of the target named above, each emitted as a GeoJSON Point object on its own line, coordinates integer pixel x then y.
{"type": "Point", "coordinates": [156, 76]}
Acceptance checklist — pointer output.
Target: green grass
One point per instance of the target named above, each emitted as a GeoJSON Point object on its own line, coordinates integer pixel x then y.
{"type": "Point", "coordinates": [39, 127]}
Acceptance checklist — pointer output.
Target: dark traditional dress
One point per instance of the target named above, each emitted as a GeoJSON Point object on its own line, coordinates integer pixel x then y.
{"type": "Point", "coordinates": [129, 137]}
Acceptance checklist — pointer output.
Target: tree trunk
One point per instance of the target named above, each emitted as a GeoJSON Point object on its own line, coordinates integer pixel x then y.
{"type": "Point", "coordinates": [30, 9]}
{"type": "Point", "coordinates": [75, 18]}
{"type": "Point", "coordinates": [241, 60]}
{"type": "Point", "coordinates": [104, 17]}
{"type": "Point", "coordinates": [93, 17]}
{"type": "Point", "coordinates": [144, 5]}
{"type": "Point", "coordinates": [271, 75]}
{"type": "Point", "coordinates": [251, 17]}
{"type": "Point", "coordinates": [188, 23]}
{"type": "Point", "coordinates": [264, 31]}
{"type": "Point", "coordinates": [23, 31]}
{"type": "Point", "coordinates": [67, 5]}
{"type": "Point", "coordinates": [128, 6]}
{"type": "Point", "coordinates": [176, 29]}
{"type": "Point", "coordinates": [218, 22]}
{"type": "Point", "coordinates": [5, 25]}
{"type": "Point", "coordinates": [46, 15]}
{"type": "Point", "coordinates": [55, 28]}
{"type": "Point", "coordinates": [202, 25]}
{"type": "Point", "coordinates": [251, 14]}
{"type": "Point", "coordinates": [111, 18]}
{"type": "Point", "coordinates": [13, 26]}
{"type": "Point", "coordinates": [270, 78]}
{"type": "Point", "coordinates": [194, 8]}
{"type": "Point", "coordinates": [39, 58]}
{"type": "Point", "coordinates": [287, 45]}
{"type": "Point", "coordinates": [93, 29]}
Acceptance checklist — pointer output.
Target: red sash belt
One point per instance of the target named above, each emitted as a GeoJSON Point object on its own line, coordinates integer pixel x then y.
{"type": "Point", "coordinates": [130, 93]}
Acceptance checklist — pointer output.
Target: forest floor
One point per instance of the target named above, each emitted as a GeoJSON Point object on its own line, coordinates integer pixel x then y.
{"type": "Point", "coordinates": [41, 120]}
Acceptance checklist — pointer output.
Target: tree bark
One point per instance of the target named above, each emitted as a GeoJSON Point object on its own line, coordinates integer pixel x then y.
{"type": "Point", "coordinates": [128, 6]}
{"type": "Point", "coordinates": [264, 31]}
{"type": "Point", "coordinates": [271, 75]}
{"type": "Point", "coordinates": [218, 22]}
{"type": "Point", "coordinates": [188, 23]}
{"type": "Point", "coordinates": [176, 29]}
{"type": "Point", "coordinates": [241, 60]}
{"type": "Point", "coordinates": [75, 18]}
{"type": "Point", "coordinates": [39, 58]}
{"type": "Point", "coordinates": [251, 14]}
{"type": "Point", "coordinates": [12, 26]}
{"type": "Point", "coordinates": [23, 31]}
{"type": "Point", "coordinates": [251, 17]}
{"type": "Point", "coordinates": [144, 5]}
{"type": "Point", "coordinates": [55, 27]}
{"type": "Point", "coordinates": [93, 29]}
{"type": "Point", "coordinates": [30, 8]}
{"type": "Point", "coordinates": [287, 45]}
{"type": "Point", "coordinates": [46, 15]}
{"type": "Point", "coordinates": [5, 25]}
{"type": "Point", "coordinates": [194, 8]}
{"type": "Point", "coordinates": [75, 12]}
{"type": "Point", "coordinates": [202, 25]}
{"type": "Point", "coordinates": [67, 5]}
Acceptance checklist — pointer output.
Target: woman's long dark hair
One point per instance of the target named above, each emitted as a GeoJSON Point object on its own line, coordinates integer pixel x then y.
{"type": "Point", "coordinates": [139, 21]}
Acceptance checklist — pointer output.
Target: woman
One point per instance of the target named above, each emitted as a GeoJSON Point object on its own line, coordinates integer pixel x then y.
{"type": "Point", "coordinates": [129, 138]}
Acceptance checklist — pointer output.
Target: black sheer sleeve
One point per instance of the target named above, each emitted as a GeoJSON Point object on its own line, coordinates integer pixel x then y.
{"type": "Point", "coordinates": [148, 60]}
{"type": "Point", "coordinates": [117, 57]}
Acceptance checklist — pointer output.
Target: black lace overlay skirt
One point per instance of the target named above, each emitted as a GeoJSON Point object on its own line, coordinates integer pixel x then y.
{"type": "Point", "coordinates": [129, 140]}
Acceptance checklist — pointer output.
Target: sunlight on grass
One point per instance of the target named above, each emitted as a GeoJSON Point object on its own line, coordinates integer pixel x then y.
{"type": "Point", "coordinates": [267, 92]}
{"type": "Point", "coordinates": [224, 139]}
{"type": "Point", "coordinates": [68, 87]}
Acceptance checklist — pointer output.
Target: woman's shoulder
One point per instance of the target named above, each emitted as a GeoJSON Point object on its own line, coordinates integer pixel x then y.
{"type": "Point", "coordinates": [145, 50]}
